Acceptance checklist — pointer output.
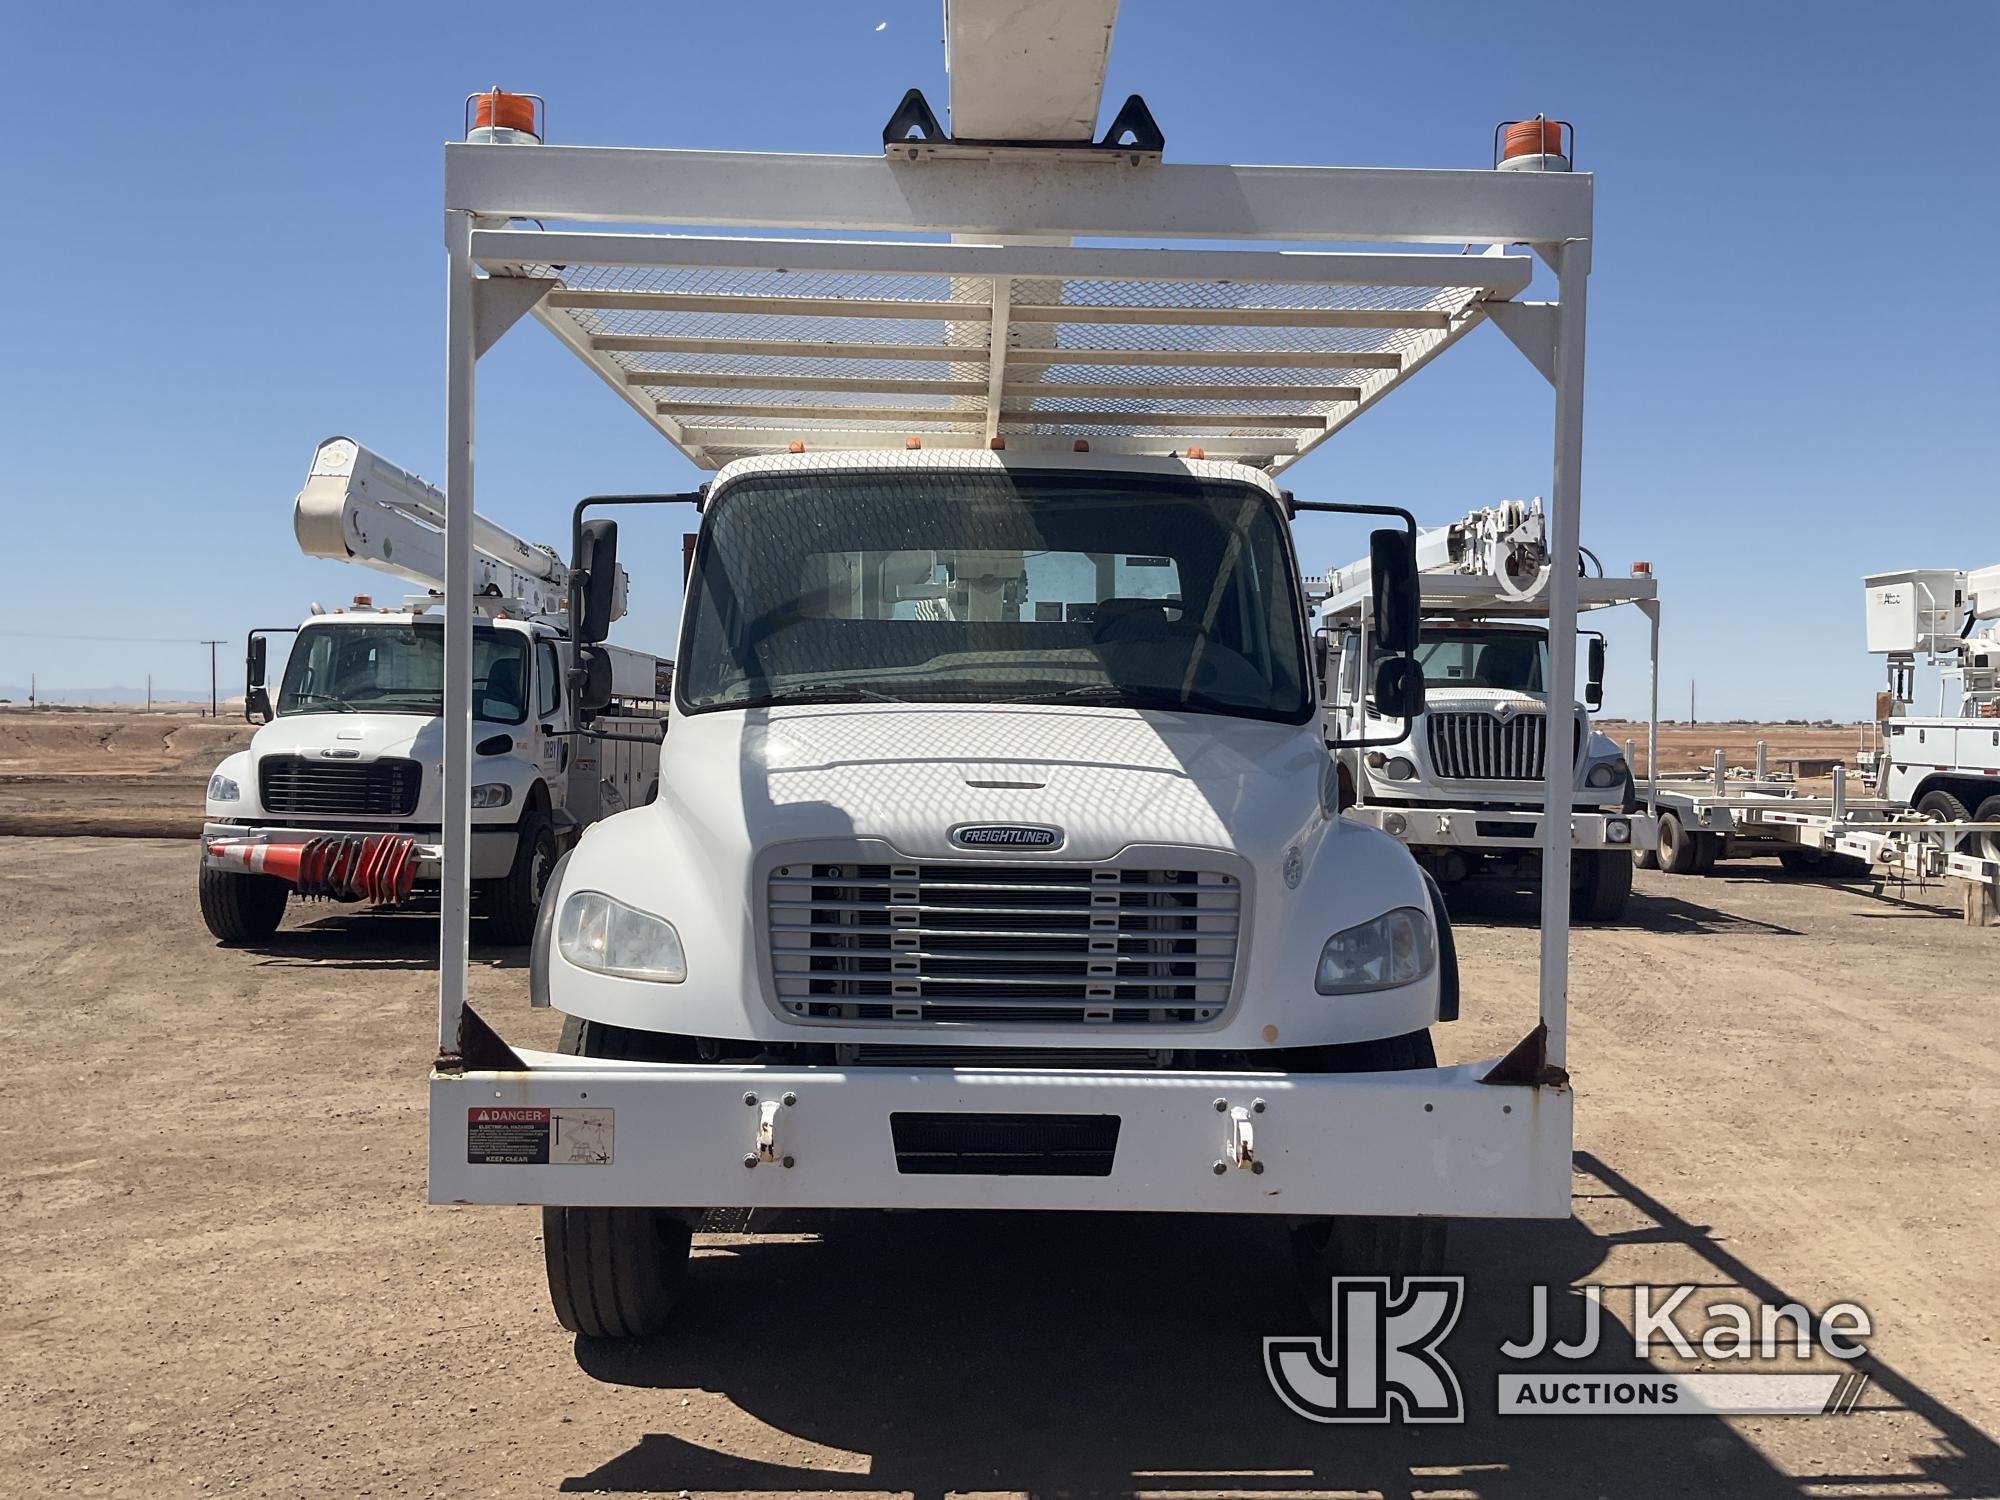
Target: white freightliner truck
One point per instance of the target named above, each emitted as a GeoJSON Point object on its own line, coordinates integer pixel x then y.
{"type": "Point", "coordinates": [1463, 787]}
{"type": "Point", "coordinates": [339, 794]}
{"type": "Point", "coordinates": [997, 861]}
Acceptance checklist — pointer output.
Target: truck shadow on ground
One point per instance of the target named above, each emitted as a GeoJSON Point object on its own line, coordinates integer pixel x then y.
{"type": "Point", "coordinates": [1078, 1355]}
{"type": "Point", "coordinates": [347, 938]}
{"type": "Point", "coordinates": [1486, 904]}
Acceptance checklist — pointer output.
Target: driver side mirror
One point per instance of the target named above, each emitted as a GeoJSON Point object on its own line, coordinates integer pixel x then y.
{"type": "Point", "coordinates": [597, 560]}
{"type": "Point", "coordinates": [256, 702]}
{"type": "Point", "coordinates": [1593, 690]}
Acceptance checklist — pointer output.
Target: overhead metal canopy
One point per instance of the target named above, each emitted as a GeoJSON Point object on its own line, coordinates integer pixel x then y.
{"type": "Point", "coordinates": [731, 347]}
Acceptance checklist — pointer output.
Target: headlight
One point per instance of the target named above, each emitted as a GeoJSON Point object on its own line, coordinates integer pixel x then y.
{"type": "Point", "coordinates": [1606, 773]}
{"type": "Point", "coordinates": [1399, 947]}
{"type": "Point", "coordinates": [222, 789]}
{"type": "Point", "coordinates": [1617, 831]}
{"type": "Point", "coordinates": [1400, 769]}
{"type": "Point", "coordinates": [610, 937]}
{"type": "Point", "coordinates": [492, 794]}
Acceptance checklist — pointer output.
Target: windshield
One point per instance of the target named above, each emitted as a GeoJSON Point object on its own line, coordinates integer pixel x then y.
{"type": "Point", "coordinates": [398, 668]}
{"type": "Point", "coordinates": [942, 587]}
{"type": "Point", "coordinates": [1512, 660]}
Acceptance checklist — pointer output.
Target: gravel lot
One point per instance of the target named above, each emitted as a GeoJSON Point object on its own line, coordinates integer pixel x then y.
{"type": "Point", "coordinates": [221, 1275]}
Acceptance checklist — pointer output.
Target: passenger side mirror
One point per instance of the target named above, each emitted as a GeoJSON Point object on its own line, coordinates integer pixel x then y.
{"type": "Point", "coordinates": [1392, 566]}
{"type": "Point", "coordinates": [592, 688]}
{"type": "Point", "coordinates": [256, 701]}
{"type": "Point", "coordinates": [1322, 657]}
{"type": "Point", "coordinates": [1593, 690]}
{"type": "Point", "coordinates": [597, 561]}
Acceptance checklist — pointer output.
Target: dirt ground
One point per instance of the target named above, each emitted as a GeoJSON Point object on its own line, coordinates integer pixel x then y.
{"type": "Point", "coordinates": [221, 1276]}
{"type": "Point", "coordinates": [1692, 747]}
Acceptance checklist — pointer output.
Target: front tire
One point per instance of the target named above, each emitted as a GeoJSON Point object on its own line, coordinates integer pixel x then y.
{"type": "Point", "coordinates": [241, 908]}
{"type": "Point", "coordinates": [1600, 885]}
{"type": "Point", "coordinates": [614, 1273]}
{"type": "Point", "coordinates": [513, 900]}
{"type": "Point", "coordinates": [1371, 1244]}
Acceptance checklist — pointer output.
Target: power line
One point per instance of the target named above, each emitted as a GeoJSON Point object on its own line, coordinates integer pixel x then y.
{"type": "Point", "coordinates": [124, 640]}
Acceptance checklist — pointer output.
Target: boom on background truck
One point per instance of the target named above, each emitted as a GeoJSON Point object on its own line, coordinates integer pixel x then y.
{"type": "Point", "coordinates": [339, 794]}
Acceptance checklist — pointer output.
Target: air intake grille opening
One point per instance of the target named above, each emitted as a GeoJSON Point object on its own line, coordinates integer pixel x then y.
{"type": "Point", "coordinates": [1048, 945]}
{"type": "Point", "coordinates": [1481, 746]}
{"type": "Point", "coordinates": [323, 788]}
{"type": "Point", "coordinates": [1004, 1145]}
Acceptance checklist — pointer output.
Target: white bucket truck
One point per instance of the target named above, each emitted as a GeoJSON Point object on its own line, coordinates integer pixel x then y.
{"type": "Point", "coordinates": [1945, 765]}
{"type": "Point", "coordinates": [997, 861]}
{"type": "Point", "coordinates": [1463, 788]}
{"type": "Point", "coordinates": [340, 793]}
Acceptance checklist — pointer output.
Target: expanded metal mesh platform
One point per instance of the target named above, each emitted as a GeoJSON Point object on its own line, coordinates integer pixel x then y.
{"type": "Point", "coordinates": [735, 347]}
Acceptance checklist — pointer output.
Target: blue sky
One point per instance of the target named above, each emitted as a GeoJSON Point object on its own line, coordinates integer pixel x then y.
{"type": "Point", "coordinates": [227, 223]}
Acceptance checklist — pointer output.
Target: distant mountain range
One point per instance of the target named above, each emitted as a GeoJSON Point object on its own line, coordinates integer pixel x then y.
{"type": "Point", "coordinates": [17, 692]}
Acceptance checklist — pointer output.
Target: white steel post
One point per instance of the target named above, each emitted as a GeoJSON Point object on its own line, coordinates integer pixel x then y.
{"type": "Point", "coordinates": [1572, 266]}
{"type": "Point", "coordinates": [1652, 609]}
{"type": "Point", "coordinates": [455, 880]}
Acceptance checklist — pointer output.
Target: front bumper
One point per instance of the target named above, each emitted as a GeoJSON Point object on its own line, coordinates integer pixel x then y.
{"type": "Point", "coordinates": [492, 848]}
{"type": "Point", "coordinates": [673, 1135]}
{"type": "Point", "coordinates": [1501, 828]}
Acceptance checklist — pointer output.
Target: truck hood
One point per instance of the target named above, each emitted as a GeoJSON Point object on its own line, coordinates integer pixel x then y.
{"type": "Point", "coordinates": [371, 736]}
{"type": "Point", "coordinates": [1107, 778]}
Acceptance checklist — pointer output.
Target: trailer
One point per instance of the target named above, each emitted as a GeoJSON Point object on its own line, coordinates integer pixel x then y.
{"type": "Point", "coordinates": [339, 795]}
{"type": "Point", "coordinates": [1463, 786]}
{"type": "Point", "coordinates": [1934, 812]}
{"type": "Point", "coordinates": [978, 881]}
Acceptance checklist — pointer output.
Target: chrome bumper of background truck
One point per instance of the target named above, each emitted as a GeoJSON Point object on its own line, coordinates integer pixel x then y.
{"type": "Point", "coordinates": [1461, 827]}
{"type": "Point", "coordinates": [583, 1131]}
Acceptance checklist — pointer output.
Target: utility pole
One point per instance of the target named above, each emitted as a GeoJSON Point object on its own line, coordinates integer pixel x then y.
{"type": "Point", "coordinates": [149, 692]}
{"type": "Point", "coordinates": [214, 709]}
{"type": "Point", "coordinates": [1690, 700]}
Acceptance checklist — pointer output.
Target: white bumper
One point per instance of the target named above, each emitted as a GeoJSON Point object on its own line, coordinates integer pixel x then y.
{"type": "Point", "coordinates": [1428, 1142]}
{"type": "Point", "coordinates": [1493, 828]}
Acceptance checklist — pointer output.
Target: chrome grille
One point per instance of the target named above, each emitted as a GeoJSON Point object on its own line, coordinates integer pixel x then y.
{"type": "Point", "coordinates": [1003, 943]}
{"type": "Point", "coordinates": [330, 788]}
{"type": "Point", "coordinates": [1480, 746]}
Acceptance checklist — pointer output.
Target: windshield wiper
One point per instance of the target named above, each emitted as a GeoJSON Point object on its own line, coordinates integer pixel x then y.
{"type": "Point", "coordinates": [833, 692]}
{"type": "Point", "coordinates": [340, 703]}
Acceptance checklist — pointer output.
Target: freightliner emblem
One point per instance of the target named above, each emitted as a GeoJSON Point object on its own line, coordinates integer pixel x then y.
{"type": "Point", "coordinates": [1006, 836]}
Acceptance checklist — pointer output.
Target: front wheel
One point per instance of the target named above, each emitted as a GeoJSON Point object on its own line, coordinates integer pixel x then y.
{"type": "Point", "coordinates": [513, 900]}
{"type": "Point", "coordinates": [1600, 885]}
{"type": "Point", "coordinates": [1371, 1244]}
{"type": "Point", "coordinates": [241, 908]}
{"type": "Point", "coordinates": [614, 1273]}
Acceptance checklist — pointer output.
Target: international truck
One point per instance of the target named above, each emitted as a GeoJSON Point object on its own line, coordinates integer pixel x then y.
{"type": "Point", "coordinates": [339, 794]}
{"type": "Point", "coordinates": [998, 861]}
{"type": "Point", "coordinates": [1463, 787]}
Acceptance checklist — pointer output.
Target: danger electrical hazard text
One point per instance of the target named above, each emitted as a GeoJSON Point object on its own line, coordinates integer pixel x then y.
{"type": "Point", "coordinates": [500, 1137]}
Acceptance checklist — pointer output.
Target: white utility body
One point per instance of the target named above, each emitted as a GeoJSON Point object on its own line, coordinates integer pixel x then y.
{"type": "Point", "coordinates": [997, 862]}
{"type": "Point", "coordinates": [1947, 764]}
{"type": "Point", "coordinates": [340, 793]}
{"type": "Point", "coordinates": [1463, 787]}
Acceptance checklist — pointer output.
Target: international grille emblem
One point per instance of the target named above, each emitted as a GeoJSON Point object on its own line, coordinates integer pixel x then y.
{"type": "Point", "coordinates": [1503, 712]}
